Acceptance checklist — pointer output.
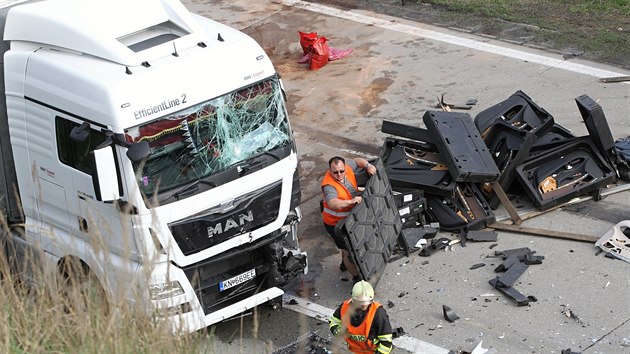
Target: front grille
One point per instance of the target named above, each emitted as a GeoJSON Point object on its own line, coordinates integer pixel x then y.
{"type": "Point", "coordinates": [206, 276]}
{"type": "Point", "coordinates": [247, 213]}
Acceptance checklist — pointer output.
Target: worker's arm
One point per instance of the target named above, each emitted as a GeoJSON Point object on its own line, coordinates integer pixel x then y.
{"type": "Point", "coordinates": [338, 204]}
{"type": "Point", "coordinates": [333, 201]}
{"type": "Point", "coordinates": [334, 323]}
{"type": "Point", "coordinates": [365, 164]}
{"type": "Point", "coordinates": [383, 330]}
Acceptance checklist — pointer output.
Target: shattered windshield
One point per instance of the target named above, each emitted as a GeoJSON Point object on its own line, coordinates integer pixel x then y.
{"type": "Point", "coordinates": [211, 137]}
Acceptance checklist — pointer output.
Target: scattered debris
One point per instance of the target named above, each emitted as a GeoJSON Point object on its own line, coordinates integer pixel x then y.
{"type": "Point", "coordinates": [616, 242]}
{"type": "Point", "coordinates": [568, 351]}
{"type": "Point", "coordinates": [402, 294]}
{"type": "Point", "coordinates": [614, 79]}
{"type": "Point", "coordinates": [292, 302]}
{"type": "Point", "coordinates": [478, 349]}
{"type": "Point", "coordinates": [410, 238]}
{"type": "Point", "coordinates": [316, 51]}
{"type": "Point", "coordinates": [543, 232]}
{"type": "Point", "coordinates": [310, 343]}
{"type": "Point", "coordinates": [493, 245]}
{"type": "Point", "coordinates": [449, 314]}
{"type": "Point", "coordinates": [571, 314]}
{"type": "Point", "coordinates": [481, 236]}
{"type": "Point", "coordinates": [398, 332]}
{"type": "Point", "coordinates": [390, 304]}
{"type": "Point", "coordinates": [514, 266]}
{"type": "Point", "coordinates": [436, 244]}
{"type": "Point", "coordinates": [573, 54]}
{"type": "Point", "coordinates": [448, 106]}
{"type": "Point", "coordinates": [477, 265]}
{"type": "Point", "coordinates": [513, 141]}
{"type": "Point", "coordinates": [610, 255]}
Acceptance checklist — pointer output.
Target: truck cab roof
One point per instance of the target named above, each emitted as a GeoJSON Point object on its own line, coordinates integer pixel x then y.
{"type": "Point", "coordinates": [106, 71]}
{"type": "Point", "coordinates": [142, 30]}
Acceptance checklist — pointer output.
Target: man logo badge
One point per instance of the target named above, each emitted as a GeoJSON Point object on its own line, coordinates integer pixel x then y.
{"type": "Point", "coordinates": [230, 223]}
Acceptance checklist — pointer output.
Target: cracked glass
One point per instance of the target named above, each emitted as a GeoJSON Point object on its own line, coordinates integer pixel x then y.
{"type": "Point", "coordinates": [206, 139]}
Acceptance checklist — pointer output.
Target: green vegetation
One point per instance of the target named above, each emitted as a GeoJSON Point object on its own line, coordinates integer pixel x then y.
{"type": "Point", "coordinates": [48, 312]}
{"type": "Point", "coordinates": [601, 28]}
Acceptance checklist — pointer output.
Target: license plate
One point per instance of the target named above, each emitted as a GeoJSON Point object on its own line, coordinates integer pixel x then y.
{"type": "Point", "coordinates": [239, 279]}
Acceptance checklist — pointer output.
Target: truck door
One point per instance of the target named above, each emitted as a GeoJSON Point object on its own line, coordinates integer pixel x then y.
{"type": "Point", "coordinates": [100, 224]}
{"type": "Point", "coordinates": [49, 179]}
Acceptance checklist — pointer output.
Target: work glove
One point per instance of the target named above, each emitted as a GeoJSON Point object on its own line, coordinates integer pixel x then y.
{"type": "Point", "coordinates": [337, 331]}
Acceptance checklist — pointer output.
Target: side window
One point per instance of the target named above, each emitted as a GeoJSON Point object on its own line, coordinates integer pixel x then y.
{"type": "Point", "coordinates": [76, 154]}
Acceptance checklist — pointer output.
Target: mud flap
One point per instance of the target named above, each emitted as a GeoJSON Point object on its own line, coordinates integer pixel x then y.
{"type": "Point", "coordinates": [373, 227]}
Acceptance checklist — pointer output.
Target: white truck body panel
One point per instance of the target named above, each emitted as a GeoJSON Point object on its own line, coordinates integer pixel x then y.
{"type": "Point", "coordinates": [74, 61]}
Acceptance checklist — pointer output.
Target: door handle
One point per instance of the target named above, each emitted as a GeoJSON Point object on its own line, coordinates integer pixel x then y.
{"type": "Point", "coordinates": [83, 225]}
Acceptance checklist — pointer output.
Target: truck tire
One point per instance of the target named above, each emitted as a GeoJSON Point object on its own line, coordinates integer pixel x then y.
{"type": "Point", "coordinates": [83, 293]}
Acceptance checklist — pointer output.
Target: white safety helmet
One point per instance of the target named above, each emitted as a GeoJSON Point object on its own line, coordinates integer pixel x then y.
{"type": "Point", "coordinates": [362, 293]}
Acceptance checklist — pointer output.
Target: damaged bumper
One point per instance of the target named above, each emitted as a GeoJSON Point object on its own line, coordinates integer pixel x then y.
{"type": "Point", "coordinates": [229, 284]}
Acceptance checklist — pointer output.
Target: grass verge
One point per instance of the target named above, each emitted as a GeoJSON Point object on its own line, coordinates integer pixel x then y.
{"type": "Point", "coordinates": [49, 314]}
{"type": "Point", "coordinates": [599, 28]}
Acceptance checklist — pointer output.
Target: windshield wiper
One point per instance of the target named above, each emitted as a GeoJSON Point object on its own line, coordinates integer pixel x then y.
{"type": "Point", "coordinates": [188, 189]}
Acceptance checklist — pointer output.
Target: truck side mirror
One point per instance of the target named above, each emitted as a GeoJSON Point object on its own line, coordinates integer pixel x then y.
{"type": "Point", "coordinates": [81, 133]}
{"type": "Point", "coordinates": [106, 179]}
{"type": "Point", "coordinates": [138, 152]}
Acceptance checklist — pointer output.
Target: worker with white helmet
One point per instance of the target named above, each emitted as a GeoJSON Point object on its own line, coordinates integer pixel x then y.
{"type": "Point", "coordinates": [363, 322]}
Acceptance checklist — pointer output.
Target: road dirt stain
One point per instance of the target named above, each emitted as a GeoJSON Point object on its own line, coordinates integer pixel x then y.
{"type": "Point", "coordinates": [371, 95]}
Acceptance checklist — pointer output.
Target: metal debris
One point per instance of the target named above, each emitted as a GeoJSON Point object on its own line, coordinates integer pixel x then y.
{"type": "Point", "coordinates": [449, 314]}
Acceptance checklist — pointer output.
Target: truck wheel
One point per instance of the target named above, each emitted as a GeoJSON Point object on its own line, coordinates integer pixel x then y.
{"type": "Point", "coordinates": [83, 293]}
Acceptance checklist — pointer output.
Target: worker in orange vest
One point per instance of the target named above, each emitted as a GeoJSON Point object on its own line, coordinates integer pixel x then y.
{"type": "Point", "coordinates": [363, 322]}
{"type": "Point", "coordinates": [341, 194]}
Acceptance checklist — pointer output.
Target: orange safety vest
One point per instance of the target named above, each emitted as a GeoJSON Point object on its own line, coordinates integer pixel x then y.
{"type": "Point", "coordinates": [357, 337]}
{"type": "Point", "coordinates": [331, 216]}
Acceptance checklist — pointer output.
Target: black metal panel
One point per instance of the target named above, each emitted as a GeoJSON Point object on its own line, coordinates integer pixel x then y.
{"type": "Point", "coordinates": [461, 146]}
{"type": "Point", "coordinates": [518, 110]}
{"type": "Point", "coordinates": [412, 165]}
{"type": "Point", "coordinates": [407, 131]}
{"type": "Point", "coordinates": [555, 136]}
{"type": "Point", "coordinates": [373, 227]}
{"type": "Point", "coordinates": [596, 123]}
{"type": "Point", "coordinates": [576, 168]}
{"type": "Point", "coordinates": [222, 222]}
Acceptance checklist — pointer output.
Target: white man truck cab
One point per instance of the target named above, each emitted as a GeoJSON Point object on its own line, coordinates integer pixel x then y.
{"type": "Point", "coordinates": [135, 133]}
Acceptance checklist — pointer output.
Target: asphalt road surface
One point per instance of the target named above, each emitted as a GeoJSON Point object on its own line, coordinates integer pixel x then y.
{"type": "Point", "coordinates": [395, 72]}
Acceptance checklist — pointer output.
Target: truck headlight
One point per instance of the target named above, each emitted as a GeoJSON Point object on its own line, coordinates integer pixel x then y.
{"type": "Point", "coordinates": [165, 290]}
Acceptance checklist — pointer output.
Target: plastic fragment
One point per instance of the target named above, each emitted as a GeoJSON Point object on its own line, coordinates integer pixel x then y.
{"type": "Point", "coordinates": [449, 314]}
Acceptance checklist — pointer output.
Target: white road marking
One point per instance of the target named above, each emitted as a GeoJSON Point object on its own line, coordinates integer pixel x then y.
{"type": "Point", "coordinates": [554, 62]}
{"type": "Point", "coordinates": [322, 313]}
